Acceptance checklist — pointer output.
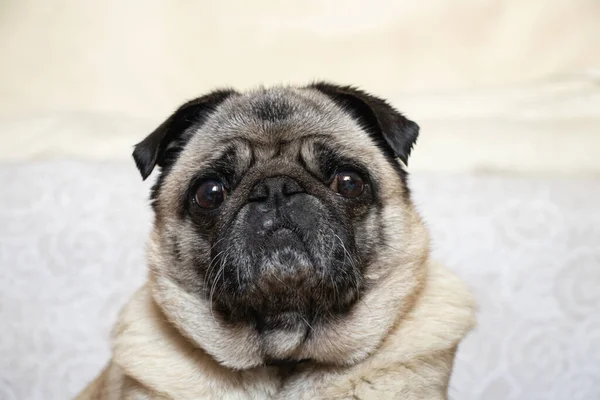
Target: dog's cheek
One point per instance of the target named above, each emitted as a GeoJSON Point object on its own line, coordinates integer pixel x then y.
{"type": "Point", "coordinates": [369, 235]}
{"type": "Point", "coordinates": [187, 253]}
{"type": "Point", "coordinates": [232, 265]}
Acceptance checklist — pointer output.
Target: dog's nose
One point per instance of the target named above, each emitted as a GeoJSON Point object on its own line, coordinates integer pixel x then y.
{"type": "Point", "coordinates": [279, 209]}
{"type": "Point", "coordinates": [275, 190]}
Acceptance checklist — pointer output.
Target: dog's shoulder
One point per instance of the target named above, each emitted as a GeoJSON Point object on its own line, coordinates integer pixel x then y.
{"type": "Point", "coordinates": [154, 358]}
{"type": "Point", "coordinates": [415, 360]}
{"type": "Point", "coordinates": [114, 384]}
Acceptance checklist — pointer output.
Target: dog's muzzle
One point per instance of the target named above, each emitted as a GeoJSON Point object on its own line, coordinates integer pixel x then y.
{"type": "Point", "coordinates": [280, 214]}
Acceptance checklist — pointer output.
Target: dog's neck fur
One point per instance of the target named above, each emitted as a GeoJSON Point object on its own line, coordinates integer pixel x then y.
{"type": "Point", "coordinates": [152, 351]}
{"type": "Point", "coordinates": [394, 284]}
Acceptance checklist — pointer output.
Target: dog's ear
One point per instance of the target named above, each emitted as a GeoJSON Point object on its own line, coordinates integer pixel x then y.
{"type": "Point", "coordinates": [390, 129]}
{"type": "Point", "coordinates": [162, 146]}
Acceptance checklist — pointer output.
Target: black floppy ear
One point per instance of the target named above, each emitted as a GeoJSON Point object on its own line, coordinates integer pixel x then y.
{"type": "Point", "coordinates": [390, 129]}
{"type": "Point", "coordinates": [163, 145]}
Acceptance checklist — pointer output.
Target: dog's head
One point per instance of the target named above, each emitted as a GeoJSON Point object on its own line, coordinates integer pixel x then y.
{"type": "Point", "coordinates": [283, 223]}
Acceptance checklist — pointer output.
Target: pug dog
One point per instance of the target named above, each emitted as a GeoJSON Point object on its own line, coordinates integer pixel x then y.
{"type": "Point", "coordinates": [287, 260]}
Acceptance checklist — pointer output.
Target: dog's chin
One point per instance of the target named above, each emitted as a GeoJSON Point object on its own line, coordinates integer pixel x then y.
{"type": "Point", "coordinates": [280, 292]}
{"type": "Point", "coordinates": [287, 289]}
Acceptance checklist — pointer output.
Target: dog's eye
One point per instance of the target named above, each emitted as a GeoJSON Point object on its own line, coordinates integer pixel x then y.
{"type": "Point", "coordinates": [210, 194]}
{"type": "Point", "coordinates": [348, 184]}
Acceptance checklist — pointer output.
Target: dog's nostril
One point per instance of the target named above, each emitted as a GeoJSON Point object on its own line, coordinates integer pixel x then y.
{"type": "Point", "coordinates": [259, 192]}
{"type": "Point", "coordinates": [291, 187]}
{"type": "Point", "coordinates": [275, 187]}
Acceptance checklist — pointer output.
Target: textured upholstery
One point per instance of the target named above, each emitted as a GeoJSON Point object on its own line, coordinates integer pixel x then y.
{"type": "Point", "coordinates": [72, 240]}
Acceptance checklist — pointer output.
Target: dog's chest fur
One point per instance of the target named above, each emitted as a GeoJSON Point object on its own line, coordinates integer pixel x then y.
{"type": "Point", "coordinates": [152, 360]}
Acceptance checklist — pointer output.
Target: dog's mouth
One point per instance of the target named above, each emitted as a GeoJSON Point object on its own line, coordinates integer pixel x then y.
{"type": "Point", "coordinates": [287, 287]}
{"type": "Point", "coordinates": [285, 284]}
{"type": "Point", "coordinates": [285, 269]}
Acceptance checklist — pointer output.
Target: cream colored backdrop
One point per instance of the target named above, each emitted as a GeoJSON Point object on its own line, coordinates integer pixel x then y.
{"type": "Point", "coordinates": [503, 86]}
{"type": "Point", "coordinates": [516, 80]}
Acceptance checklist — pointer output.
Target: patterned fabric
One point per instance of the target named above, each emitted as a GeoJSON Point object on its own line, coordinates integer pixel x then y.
{"type": "Point", "coordinates": [72, 240]}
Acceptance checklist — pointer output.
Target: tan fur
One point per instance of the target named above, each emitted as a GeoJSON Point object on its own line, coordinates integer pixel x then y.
{"type": "Point", "coordinates": [397, 341]}
{"type": "Point", "coordinates": [345, 341]}
{"type": "Point", "coordinates": [349, 340]}
{"type": "Point", "coordinates": [414, 360]}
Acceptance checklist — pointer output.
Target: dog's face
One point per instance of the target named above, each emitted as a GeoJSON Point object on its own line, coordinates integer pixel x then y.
{"type": "Point", "coordinates": [283, 224]}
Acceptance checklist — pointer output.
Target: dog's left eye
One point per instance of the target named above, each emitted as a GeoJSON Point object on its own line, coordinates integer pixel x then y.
{"type": "Point", "coordinates": [210, 194]}
{"type": "Point", "coordinates": [348, 184]}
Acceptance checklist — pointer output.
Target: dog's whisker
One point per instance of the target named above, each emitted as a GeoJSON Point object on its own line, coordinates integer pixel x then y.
{"type": "Point", "coordinates": [280, 281]}
{"type": "Point", "coordinates": [399, 250]}
{"type": "Point", "coordinates": [211, 265]}
{"type": "Point", "coordinates": [220, 273]}
{"type": "Point", "coordinates": [371, 312]}
{"type": "Point", "coordinates": [306, 322]}
{"type": "Point", "coordinates": [212, 290]}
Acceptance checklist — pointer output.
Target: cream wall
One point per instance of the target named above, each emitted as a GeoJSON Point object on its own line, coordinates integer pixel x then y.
{"type": "Point", "coordinates": [495, 85]}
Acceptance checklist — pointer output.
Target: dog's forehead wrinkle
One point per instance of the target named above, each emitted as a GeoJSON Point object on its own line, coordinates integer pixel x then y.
{"type": "Point", "coordinates": [276, 113]}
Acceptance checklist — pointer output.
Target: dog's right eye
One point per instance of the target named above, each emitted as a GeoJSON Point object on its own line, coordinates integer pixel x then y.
{"type": "Point", "coordinates": [348, 184]}
{"type": "Point", "coordinates": [210, 194]}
